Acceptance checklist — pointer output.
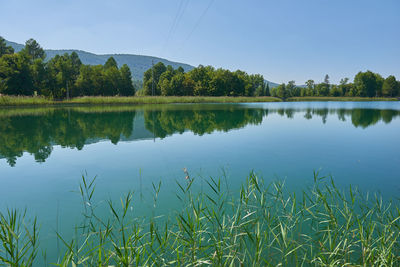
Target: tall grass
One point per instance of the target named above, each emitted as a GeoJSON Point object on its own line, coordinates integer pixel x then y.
{"type": "Point", "coordinates": [260, 225]}
{"type": "Point", "coordinates": [24, 101]}
{"type": "Point", "coordinates": [110, 100]}
{"type": "Point", "coordinates": [19, 239]}
{"type": "Point", "coordinates": [102, 100]}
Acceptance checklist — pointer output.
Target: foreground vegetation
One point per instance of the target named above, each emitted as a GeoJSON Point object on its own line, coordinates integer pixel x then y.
{"type": "Point", "coordinates": [260, 225]}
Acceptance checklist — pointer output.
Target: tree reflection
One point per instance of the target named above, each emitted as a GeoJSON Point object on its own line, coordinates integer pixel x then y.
{"type": "Point", "coordinates": [37, 131]}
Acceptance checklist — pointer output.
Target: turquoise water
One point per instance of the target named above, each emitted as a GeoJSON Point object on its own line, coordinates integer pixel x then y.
{"type": "Point", "coordinates": [44, 152]}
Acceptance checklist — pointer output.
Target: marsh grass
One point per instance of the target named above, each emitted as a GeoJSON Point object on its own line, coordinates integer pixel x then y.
{"type": "Point", "coordinates": [19, 239]}
{"type": "Point", "coordinates": [260, 225]}
{"type": "Point", "coordinates": [110, 100]}
{"type": "Point", "coordinates": [170, 99]}
{"type": "Point", "coordinates": [24, 101]}
{"type": "Point", "coordinates": [118, 100]}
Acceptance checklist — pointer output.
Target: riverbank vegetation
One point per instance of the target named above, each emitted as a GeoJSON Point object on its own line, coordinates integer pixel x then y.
{"type": "Point", "coordinates": [258, 225]}
{"type": "Point", "coordinates": [118, 100]}
{"type": "Point", "coordinates": [28, 73]}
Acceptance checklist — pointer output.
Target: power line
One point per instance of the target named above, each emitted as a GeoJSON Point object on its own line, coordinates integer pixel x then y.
{"type": "Point", "coordinates": [198, 21]}
{"type": "Point", "coordinates": [181, 10]}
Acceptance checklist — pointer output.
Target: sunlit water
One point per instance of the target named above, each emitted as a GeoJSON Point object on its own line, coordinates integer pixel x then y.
{"type": "Point", "coordinates": [45, 151]}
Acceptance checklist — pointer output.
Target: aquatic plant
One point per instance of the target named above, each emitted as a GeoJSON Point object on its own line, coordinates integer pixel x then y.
{"type": "Point", "coordinates": [260, 225]}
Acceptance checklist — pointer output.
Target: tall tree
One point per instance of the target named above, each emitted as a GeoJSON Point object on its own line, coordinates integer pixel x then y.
{"type": "Point", "coordinates": [368, 84]}
{"type": "Point", "coordinates": [326, 79]}
{"type": "Point", "coordinates": [64, 70]}
{"type": "Point", "coordinates": [15, 75]}
{"type": "Point", "coordinates": [310, 88]}
{"type": "Point", "coordinates": [34, 50]}
{"type": "Point", "coordinates": [390, 86]}
{"type": "Point", "coordinates": [151, 78]}
{"type": "Point", "coordinates": [267, 90]}
{"type": "Point", "coordinates": [110, 63]}
{"type": "Point", "coordinates": [4, 48]}
{"type": "Point", "coordinates": [126, 88]}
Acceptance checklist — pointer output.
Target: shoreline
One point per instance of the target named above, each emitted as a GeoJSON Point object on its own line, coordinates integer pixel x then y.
{"type": "Point", "coordinates": [15, 101]}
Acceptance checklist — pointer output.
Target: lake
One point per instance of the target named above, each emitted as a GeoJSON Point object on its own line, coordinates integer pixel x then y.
{"type": "Point", "coordinates": [45, 151]}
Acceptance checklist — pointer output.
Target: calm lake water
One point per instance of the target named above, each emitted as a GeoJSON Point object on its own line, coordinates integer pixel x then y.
{"type": "Point", "coordinates": [45, 151]}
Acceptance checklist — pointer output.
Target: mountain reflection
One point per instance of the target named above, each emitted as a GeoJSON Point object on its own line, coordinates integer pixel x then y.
{"type": "Point", "coordinates": [36, 131]}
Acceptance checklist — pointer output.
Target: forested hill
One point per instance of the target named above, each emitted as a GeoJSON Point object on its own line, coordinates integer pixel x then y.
{"type": "Point", "coordinates": [138, 64]}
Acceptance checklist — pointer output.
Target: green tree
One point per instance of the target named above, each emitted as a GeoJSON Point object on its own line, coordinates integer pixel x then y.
{"type": "Point", "coordinates": [126, 87]}
{"type": "Point", "coordinates": [151, 78]}
{"type": "Point", "coordinates": [4, 48]}
{"type": "Point", "coordinates": [267, 90]}
{"type": "Point", "coordinates": [40, 77]}
{"type": "Point", "coordinates": [292, 89]}
{"type": "Point", "coordinates": [188, 85]}
{"type": "Point", "coordinates": [326, 79]}
{"type": "Point", "coordinates": [335, 91]}
{"type": "Point", "coordinates": [110, 63]}
{"type": "Point", "coordinates": [368, 84]}
{"type": "Point", "coordinates": [310, 88]}
{"type": "Point", "coordinates": [281, 91]}
{"type": "Point", "coordinates": [34, 50]}
{"type": "Point", "coordinates": [322, 89]}
{"type": "Point", "coordinates": [15, 75]}
{"type": "Point", "coordinates": [390, 86]}
{"type": "Point", "coordinates": [64, 72]}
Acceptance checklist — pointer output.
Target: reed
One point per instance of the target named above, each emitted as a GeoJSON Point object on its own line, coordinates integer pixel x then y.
{"type": "Point", "coordinates": [260, 225]}
{"type": "Point", "coordinates": [110, 100]}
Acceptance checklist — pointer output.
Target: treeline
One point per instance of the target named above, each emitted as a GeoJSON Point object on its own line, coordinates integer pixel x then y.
{"type": "Point", "coordinates": [208, 81]}
{"type": "Point", "coordinates": [202, 81]}
{"type": "Point", "coordinates": [28, 73]}
{"type": "Point", "coordinates": [365, 84]}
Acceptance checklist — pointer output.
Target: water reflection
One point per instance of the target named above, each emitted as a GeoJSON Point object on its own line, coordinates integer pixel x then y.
{"type": "Point", "coordinates": [36, 131]}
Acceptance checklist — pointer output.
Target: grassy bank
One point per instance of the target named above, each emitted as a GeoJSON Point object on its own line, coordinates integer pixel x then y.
{"type": "Point", "coordinates": [260, 225]}
{"type": "Point", "coordinates": [329, 98]}
{"type": "Point", "coordinates": [99, 100]}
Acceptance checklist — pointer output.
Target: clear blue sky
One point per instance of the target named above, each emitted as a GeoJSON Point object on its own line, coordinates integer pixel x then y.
{"type": "Point", "coordinates": [281, 39]}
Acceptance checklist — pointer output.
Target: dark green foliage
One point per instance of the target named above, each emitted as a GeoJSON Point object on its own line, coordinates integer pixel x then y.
{"type": "Point", "coordinates": [33, 50]}
{"type": "Point", "coordinates": [64, 76]}
{"type": "Point", "coordinates": [390, 86]}
{"type": "Point", "coordinates": [368, 84]}
{"type": "Point", "coordinates": [201, 81]}
{"type": "Point", "coordinates": [151, 79]}
{"type": "Point", "coordinates": [126, 87]}
{"type": "Point", "coordinates": [15, 75]}
{"type": "Point", "coordinates": [4, 48]}
{"type": "Point", "coordinates": [110, 63]}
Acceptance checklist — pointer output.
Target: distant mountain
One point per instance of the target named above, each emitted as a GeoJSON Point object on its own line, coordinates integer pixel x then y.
{"type": "Point", "coordinates": [137, 63]}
